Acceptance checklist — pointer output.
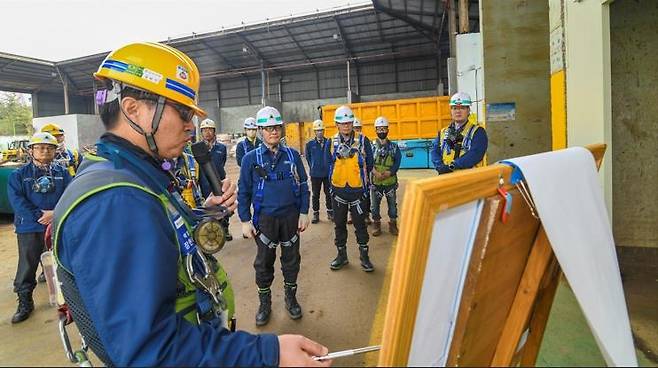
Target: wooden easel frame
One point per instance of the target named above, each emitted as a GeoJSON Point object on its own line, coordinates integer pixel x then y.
{"type": "Point", "coordinates": [535, 287]}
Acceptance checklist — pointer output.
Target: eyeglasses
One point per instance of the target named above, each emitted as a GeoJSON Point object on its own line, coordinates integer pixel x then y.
{"type": "Point", "coordinates": [46, 148]}
{"type": "Point", "coordinates": [272, 128]}
{"type": "Point", "coordinates": [186, 113]}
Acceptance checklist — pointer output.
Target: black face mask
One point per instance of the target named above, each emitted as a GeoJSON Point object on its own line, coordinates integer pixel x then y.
{"type": "Point", "coordinates": [382, 136]}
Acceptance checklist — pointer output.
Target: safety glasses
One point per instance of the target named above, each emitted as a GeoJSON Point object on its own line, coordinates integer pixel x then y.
{"type": "Point", "coordinates": [185, 112]}
{"type": "Point", "coordinates": [272, 128]}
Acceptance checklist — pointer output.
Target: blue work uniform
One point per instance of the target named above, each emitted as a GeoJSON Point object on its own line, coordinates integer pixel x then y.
{"type": "Point", "coordinates": [245, 146]}
{"type": "Point", "coordinates": [218, 159]}
{"type": "Point", "coordinates": [278, 198]}
{"type": "Point", "coordinates": [319, 172]}
{"type": "Point", "coordinates": [317, 160]}
{"type": "Point", "coordinates": [122, 248]}
{"type": "Point", "coordinates": [27, 203]}
{"type": "Point", "coordinates": [473, 150]}
{"type": "Point", "coordinates": [276, 185]}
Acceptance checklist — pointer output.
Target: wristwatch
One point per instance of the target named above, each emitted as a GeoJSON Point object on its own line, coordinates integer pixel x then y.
{"type": "Point", "coordinates": [451, 166]}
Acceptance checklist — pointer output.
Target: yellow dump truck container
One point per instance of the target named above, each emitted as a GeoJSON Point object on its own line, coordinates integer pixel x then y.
{"type": "Point", "coordinates": [296, 136]}
{"type": "Point", "coordinates": [413, 118]}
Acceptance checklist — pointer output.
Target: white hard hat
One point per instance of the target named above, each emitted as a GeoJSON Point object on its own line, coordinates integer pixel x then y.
{"type": "Point", "coordinates": [344, 115]}
{"type": "Point", "coordinates": [381, 122]}
{"type": "Point", "coordinates": [208, 123]}
{"type": "Point", "coordinates": [42, 138]}
{"type": "Point", "coordinates": [318, 125]}
{"type": "Point", "coordinates": [460, 99]}
{"type": "Point", "coordinates": [268, 116]}
{"type": "Point", "coordinates": [357, 122]}
{"type": "Point", "coordinates": [250, 123]}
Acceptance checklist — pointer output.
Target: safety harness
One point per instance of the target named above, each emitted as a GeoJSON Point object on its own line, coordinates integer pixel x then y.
{"type": "Point", "coordinates": [384, 159]}
{"type": "Point", "coordinates": [446, 149]}
{"type": "Point", "coordinates": [204, 293]}
{"type": "Point", "coordinates": [267, 173]}
{"type": "Point", "coordinates": [340, 151]}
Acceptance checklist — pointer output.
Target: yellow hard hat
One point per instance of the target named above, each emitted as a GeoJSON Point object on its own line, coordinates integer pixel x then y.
{"type": "Point", "coordinates": [42, 138]}
{"type": "Point", "coordinates": [318, 125]}
{"type": "Point", "coordinates": [155, 68]}
{"type": "Point", "coordinates": [53, 129]}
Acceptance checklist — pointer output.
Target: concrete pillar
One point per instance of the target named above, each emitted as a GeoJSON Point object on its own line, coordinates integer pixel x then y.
{"type": "Point", "coordinates": [516, 71]}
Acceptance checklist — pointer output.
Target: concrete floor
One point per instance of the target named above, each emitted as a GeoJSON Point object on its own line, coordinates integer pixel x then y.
{"type": "Point", "coordinates": [342, 309]}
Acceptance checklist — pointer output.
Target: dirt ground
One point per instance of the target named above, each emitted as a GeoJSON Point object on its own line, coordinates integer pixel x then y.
{"type": "Point", "coordinates": [342, 309]}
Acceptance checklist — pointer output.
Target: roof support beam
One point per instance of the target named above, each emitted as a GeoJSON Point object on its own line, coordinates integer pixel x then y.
{"type": "Point", "coordinates": [418, 26]}
{"type": "Point", "coordinates": [343, 40]}
{"type": "Point", "coordinates": [218, 54]}
{"type": "Point", "coordinates": [294, 41]}
{"type": "Point", "coordinates": [252, 48]}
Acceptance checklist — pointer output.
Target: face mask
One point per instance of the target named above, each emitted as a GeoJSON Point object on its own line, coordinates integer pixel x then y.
{"type": "Point", "coordinates": [382, 136]}
{"type": "Point", "coordinates": [251, 133]}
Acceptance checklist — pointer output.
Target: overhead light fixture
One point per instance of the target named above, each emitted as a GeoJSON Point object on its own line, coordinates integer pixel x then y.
{"type": "Point", "coordinates": [335, 36]}
{"type": "Point", "coordinates": [245, 49]}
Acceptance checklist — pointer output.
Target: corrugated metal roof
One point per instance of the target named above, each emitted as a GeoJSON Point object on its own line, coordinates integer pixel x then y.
{"type": "Point", "coordinates": [379, 31]}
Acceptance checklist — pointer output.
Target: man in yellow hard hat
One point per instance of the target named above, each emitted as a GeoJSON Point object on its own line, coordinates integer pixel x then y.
{"type": "Point", "coordinates": [69, 158]}
{"type": "Point", "coordinates": [33, 191]}
{"type": "Point", "coordinates": [134, 264]}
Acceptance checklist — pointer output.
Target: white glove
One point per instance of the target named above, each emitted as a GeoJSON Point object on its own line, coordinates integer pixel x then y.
{"type": "Point", "coordinates": [248, 230]}
{"type": "Point", "coordinates": [302, 224]}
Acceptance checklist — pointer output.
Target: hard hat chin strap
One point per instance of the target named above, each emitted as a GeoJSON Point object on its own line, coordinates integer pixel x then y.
{"type": "Point", "coordinates": [155, 123]}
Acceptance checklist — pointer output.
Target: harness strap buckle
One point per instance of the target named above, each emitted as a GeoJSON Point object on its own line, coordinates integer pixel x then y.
{"type": "Point", "coordinates": [206, 281]}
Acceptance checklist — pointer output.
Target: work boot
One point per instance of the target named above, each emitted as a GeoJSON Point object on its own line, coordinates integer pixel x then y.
{"type": "Point", "coordinates": [365, 260]}
{"type": "Point", "coordinates": [42, 278]}
{"type": "Point", "coordinates": [293, 307]}
{"type": "Point", "coordinates": [377, 228]}
{"type": "Point", "coordinates": [265, 308]}
{"type": "Point", "coordinates": [316, 217]}
{"type": "Point", "coordinates": [25, 307]}
{"type": "Point", "coordinates": [340, 260]}
{"type": "Point", "coordinates": [228, 236]}
{"type": "Point", "coordinates": [392, 227]}
{"type": "Point", "coordinates": [330, 215]}
{"type": "Point", "coordinates": [349, 220]}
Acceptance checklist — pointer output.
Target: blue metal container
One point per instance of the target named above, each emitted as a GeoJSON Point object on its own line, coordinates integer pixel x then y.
{"type": "Point", "coordinates": [415, 153]}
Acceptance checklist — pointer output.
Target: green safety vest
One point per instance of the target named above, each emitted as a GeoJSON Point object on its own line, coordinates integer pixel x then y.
{"type": "Point", "coordinates": [91, 183]}
{"type": "Point", "coordinates": [384, 163]}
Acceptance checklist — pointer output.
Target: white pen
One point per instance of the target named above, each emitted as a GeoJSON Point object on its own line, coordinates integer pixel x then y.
{"type": "Point", "coordinates": [344, 353]}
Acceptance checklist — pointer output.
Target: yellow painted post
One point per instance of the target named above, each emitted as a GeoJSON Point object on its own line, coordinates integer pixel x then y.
{"type": "Point", "coordinates": [558, 110]}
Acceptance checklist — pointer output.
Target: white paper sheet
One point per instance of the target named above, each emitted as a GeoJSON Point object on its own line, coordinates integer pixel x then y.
{"type": "Point", "coordinates": [565, 188]}
{"type": "Point", "coordinates": [447, 263]}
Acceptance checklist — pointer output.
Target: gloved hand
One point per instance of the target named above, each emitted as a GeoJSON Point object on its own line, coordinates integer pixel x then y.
{"type": "Point", "coordinates": [248, 230]}
{"type": "Point", "coordinates": [302, 224]}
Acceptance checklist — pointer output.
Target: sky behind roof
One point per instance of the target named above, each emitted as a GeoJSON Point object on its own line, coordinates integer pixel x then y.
{"type": "Point", "coordinates": [57, 30]}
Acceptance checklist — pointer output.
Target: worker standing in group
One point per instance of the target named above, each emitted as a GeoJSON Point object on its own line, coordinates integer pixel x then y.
{"type": "Point", "coordinates": [136, 279]}
{"type": "Point", "coordinates": [187, 172]}
{"type": "Point", "coordinates": [319, 170]}
{"type": "Point", "coordinates": [33, 192]}
{"type": "Point", "coordinates": [384, 178]}
{"type": "Point", "coordinates": [69, 158]}
{"type": "Point", "coordinates": [358, 127]}
{"type": "Point", "coordinates": [218, 157]}
{"type": "Point", "coordinates": [462, 144]}
{"type": "Point", "coordinates": [350, 159]}
{"type": "Point", "coordinates": [273, 180]}
{"type": "Point", "coordinates": [250, 141]}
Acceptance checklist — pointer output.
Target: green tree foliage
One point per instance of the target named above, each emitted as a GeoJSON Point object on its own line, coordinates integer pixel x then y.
{"type": "Point", "coordinates": [15, 115]}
